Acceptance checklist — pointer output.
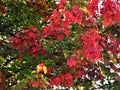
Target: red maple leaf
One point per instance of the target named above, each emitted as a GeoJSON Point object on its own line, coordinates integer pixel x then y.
{"type": "Point", "coordinates": [77, 13]}
{"type": "Point", "coordinates": [35, 84]}
{"type": "Point", "coordinates": [56, 16]}
{"type": "Point", "coordinates": [34, 51]}
{"type": "Point", "coordinates": [60, 36]}
{"type": "Point", "coordinates": [78, 74]}
{"type": "Point", "coordinates": [66, 31]}
{"type": "Point", "coordinates": [63, 1]}
{"type": "Point", "coordinates": [46, 31]}
{"type": "Point", "coordinates": [92, 7]}
{"type": "Point", "coordinates": [91, 47]}
{"type": "Point", "coordinates": [71, 62]}
{"type": "Point", "coordinates": [55, 81]}
{"type": "Point", "coordinates": [68, 76]}
{"type": "Point", "coordinates": [60, 6]}
{"type": "Point", "coordinates": [68, 80]}
{"type": "Point", "coordinates": [68, 83]}
{"type": "Point", "coordinates": [5, 10]}
{"type": "Point", "coordinates": [110, 12]}
{"type": "Point", "coordinates": [15, 42]}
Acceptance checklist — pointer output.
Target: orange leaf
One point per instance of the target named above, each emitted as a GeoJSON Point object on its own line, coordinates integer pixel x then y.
{"type": "Point", "coordinates": [39, 68]}
{"type": "Point", "coordinates": [44, 69]}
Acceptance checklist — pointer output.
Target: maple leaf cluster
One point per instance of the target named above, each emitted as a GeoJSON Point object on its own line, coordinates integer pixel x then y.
{"type": "Point", "coordinates": [65, 79]}
{"type": "Point", "coordinates": [60, 21]}
{"type": "Point", "coordinates": [57, 28]}
{"type": "Point", "coordinates": [92, 7]}
{"type": "Point", "coordinates": [91, 47]}
{"type": "Point", "coordinates": [110, 12]}
{"type": "Point", "coordinates": [80, 62]}
{"type": "Point", "coordinates": [30, 39]}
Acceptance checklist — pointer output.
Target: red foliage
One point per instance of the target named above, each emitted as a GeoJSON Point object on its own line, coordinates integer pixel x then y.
{"type": "Point", "coordinates": [65, 79]}
{"type": "Point", "coordinates": [112, 44]}
{"type": "Point", "coordinates": [30, 39]}
{"type": "Point", "coordinates": [58, 28]}
{"type": "Point", "coordinates": [61, 4]}
{"type": "Point", "coordinates": [77, 13]}
{"type": "Point", "coordinates": [35, 84]}
{"type": "Point", "coordinates": [110, 12]}
{"type": "Point", "coordinates": [68, 80]}
{"type": "Point", "coordinates": [3, 79]}
{"type": "Point", "coordinates": [16, 41]}
{"type": "Point", "coordinates": [55, 81]}
{"type": "Point", "coordinates": [2, 87]}
{"type": "Point", "coordinates": [71, 62]}
{"type": "Point", "coordinates": [91, 47]}
{"type": "Point", "coordinates": [92, 7]}
{"type": "Point", "coordinates": [5, 11]}
{"type": "Point", "coordinates": [40, 83]}
{"type": "Point", "coordinates": [55, 17]}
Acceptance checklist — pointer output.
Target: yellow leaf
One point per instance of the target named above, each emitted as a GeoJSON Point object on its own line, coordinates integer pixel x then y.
{"type": "Point", "coordinates": [113, 59]}
{"type": "Point", "coordinates": [44, 69]}
{"type": "Point", "coordinates": [39, 68]}
{"type": "Point", "coordinates": [2, 59]}
{"type": "Point", "coordinates": [80, 88]}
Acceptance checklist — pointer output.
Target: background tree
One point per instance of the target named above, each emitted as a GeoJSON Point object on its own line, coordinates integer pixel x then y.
{"type": "Point", "coordinates": [64, 43]}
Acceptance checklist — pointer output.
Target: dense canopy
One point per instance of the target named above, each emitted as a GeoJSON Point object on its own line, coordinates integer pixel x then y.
{"type": "Point", "coordinates": [60, 44]}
